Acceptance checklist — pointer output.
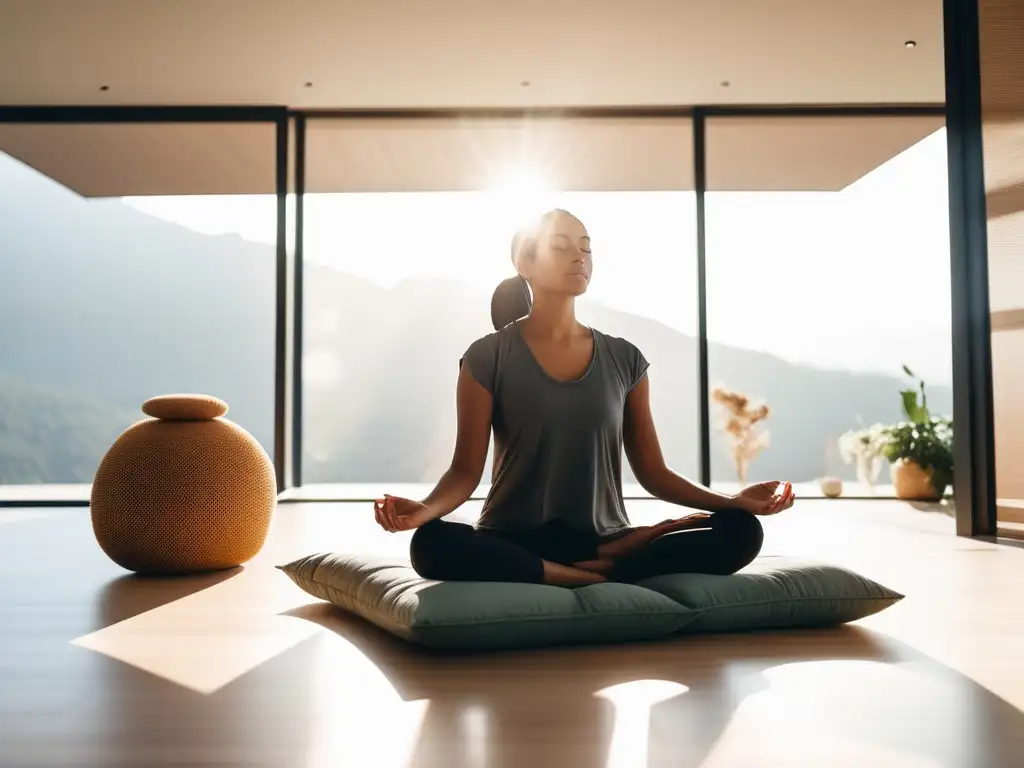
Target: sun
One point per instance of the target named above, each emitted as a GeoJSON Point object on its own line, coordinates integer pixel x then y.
{"type": "Point", "coordinates": [521, 183]}
{"type": "Point", "coordinates": [520, 196]}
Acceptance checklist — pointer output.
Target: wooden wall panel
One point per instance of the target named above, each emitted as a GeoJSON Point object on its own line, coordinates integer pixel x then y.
{"type": "Point", "coordinates": [1002, 87]}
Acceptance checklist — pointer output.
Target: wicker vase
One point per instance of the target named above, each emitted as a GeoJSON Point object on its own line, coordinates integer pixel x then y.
{"type": "Point", "coordinates": [912, 483]}
{"type": "Point", "coordinates": [184, 491]}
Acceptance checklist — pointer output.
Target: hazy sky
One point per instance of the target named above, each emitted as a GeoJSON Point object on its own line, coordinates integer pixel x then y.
{"type": "Point", "coordinates": [857, 279]}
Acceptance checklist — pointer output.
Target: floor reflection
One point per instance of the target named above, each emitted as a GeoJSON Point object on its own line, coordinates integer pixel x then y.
{"type": "Point", "coordinates": [692, 700]}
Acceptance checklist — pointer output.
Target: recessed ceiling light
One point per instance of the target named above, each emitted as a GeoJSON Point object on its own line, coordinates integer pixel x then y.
{"type": "Point", "coordinates": [910, 44]}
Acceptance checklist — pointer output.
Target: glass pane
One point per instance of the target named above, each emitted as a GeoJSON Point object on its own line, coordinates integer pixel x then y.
{"type": "Point", "coordinates": [398, 284]}
{"type": "Point", "coordinates": [828, 271]}
{"type": "Point", "coordinates": [138, 260]}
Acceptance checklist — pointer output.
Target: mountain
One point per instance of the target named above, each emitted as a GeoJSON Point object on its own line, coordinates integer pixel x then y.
{"type": "Point", "coordinates": [47, 435]}
{"type": "Point", "coordinates": [102, 306]}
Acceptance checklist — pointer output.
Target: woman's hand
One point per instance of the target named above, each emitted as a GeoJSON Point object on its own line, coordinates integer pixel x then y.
{"type": "Point", "coordinates": [640, 537]}
{"type": "Point", "coordinates": [393, 513]}
{"type": "Point", "coordinates": [766, 498]}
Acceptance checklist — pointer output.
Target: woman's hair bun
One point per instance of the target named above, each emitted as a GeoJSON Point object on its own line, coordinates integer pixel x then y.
{"type": "Point", "coordinates": [511, 301]}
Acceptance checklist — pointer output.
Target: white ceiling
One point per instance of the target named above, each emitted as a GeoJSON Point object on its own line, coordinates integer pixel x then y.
{"type": "Point", "coordinates": [383, 155]}
{"type": "Point", "coordinates": [470, 53]}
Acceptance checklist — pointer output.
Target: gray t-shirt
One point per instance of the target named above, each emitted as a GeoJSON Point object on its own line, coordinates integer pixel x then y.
{"type": "Point", "coordinates": [557, 445]}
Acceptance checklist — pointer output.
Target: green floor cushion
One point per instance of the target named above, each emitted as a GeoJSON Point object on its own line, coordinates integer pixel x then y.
{"type": "Point", "coordinates": [770, 593]}
{"type": "Point", "coordinates": [484, 616]}
{"type": "Point", "coordinates": [775, 592]}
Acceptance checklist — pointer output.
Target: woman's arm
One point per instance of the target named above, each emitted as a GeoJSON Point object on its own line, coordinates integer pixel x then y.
{"type": "Point", "coordinates": [474, 406]}
{"type": "Point", "coordinates": [643, 449]}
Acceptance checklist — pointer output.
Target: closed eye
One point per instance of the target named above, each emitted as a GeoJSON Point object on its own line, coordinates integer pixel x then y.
{"type": "Point", "coordinates": [564, 243]}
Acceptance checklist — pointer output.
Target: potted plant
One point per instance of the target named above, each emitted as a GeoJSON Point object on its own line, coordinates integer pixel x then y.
{"type": "Point", "coordinates": [920, 449]}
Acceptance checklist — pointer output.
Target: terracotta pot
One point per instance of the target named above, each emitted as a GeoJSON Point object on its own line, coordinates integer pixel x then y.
{"type": "Point", "coordinates": [912, 483]}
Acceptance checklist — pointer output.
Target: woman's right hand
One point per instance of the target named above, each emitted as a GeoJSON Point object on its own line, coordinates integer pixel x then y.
{"type": "Point", "coordinates": [393, 513]}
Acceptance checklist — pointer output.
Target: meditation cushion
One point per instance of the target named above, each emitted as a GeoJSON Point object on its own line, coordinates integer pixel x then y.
{"type": "Point", "coordinates": [482, 616]}
{"type": "Point", "coordinates": [773, 593]}
{"type": "Point", "coordinates": [770, 593]}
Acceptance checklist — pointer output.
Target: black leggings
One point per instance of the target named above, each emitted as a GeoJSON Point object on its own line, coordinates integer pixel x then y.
{"type": "Point", "coordinates": [726, 542]}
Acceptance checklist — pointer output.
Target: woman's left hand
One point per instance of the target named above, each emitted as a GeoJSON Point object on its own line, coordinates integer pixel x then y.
{"type": "Point", "coordinates": [766, 498]}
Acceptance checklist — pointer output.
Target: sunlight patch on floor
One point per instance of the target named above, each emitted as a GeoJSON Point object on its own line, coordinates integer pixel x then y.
{"type": "Point", "coordinates": [359, 718]}
{"type": "Point", "coordinates": [208, 639]}
{"type": "Point", "coordinates": [804, 737]}
{"type": "Point", "coordinates": [631, 732]}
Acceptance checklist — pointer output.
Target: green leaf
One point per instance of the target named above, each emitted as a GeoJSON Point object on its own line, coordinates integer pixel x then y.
{"type": "Point", "coordinates": [909, 372]}
{"type": "Point", "coordinates": [909, 403]}
{"type": "Point", "coordinates": [916, 414]}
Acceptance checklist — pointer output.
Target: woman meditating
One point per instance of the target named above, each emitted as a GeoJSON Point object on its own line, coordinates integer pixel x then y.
{"type": "Point", "coordinates": [563, 401]}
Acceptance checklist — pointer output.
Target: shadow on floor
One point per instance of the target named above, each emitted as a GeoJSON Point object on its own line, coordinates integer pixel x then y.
{"type": "Point", "coordinates": [945, 507]}
{"type": "Point", "coordinates": [1002, 540]}
{"type": "Point", "coordinates": [128, 596]}
{"type": "Point", "coordinates": [865, 687]}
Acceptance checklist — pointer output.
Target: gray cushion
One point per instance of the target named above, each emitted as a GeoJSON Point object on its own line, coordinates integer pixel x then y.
{"type": "Point", "coordinates": [775, 592]}
{"type": "Point", "coordinates": [477, 615]}
{"type": "Point", "coordinates": [770, 593]}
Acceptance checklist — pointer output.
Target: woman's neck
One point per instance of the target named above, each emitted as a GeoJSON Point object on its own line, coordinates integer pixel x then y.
{"type": "Point", "coordinates": [553, 317]}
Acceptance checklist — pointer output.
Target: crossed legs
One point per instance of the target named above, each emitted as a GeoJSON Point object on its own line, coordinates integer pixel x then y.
{"type": "Point", "coordinates": [724, 543]}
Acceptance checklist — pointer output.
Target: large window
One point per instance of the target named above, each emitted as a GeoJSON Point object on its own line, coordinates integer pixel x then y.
{"type": "Point", "coordinates": [406, 233]}
{"type": "Point", "coordinates": [827, 272]}
{"type": "Point", "coordinates": [137, 260]}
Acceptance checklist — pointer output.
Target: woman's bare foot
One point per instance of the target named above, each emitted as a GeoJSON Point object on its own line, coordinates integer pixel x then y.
{"type": "Point", "coordinates": [603, 566]}
{"type": "Point", "coordinates": [566, 576]}
{"type": "Point", "coordinates": [638, 538]}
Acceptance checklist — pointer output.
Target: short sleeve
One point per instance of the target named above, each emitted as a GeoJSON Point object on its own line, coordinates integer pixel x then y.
{"type": "Point", "coordinates": [637, 365]}
{"type": "Point", "coordinates": [482, 361]}
{"type": "Point", "coordinates": [630, 363]}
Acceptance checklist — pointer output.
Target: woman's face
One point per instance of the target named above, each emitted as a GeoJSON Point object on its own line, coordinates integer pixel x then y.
{"type": "Point", "coordinates": [563, 262]}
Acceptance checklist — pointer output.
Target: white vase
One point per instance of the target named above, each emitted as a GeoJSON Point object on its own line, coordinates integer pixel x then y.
{"type": "Point", "coordinates": [868, 469]}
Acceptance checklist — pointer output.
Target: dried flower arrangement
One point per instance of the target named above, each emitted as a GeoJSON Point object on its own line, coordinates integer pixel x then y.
{"type": "Point", "coordinates": [742, 426]}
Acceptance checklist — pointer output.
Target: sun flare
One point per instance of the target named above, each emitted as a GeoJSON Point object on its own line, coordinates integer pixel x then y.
{"type": "Point", "coordinates": [521, 195]}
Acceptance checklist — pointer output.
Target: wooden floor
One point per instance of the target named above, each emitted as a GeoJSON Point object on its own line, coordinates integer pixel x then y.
{"type": "Point", "coordinates": [243, 669]}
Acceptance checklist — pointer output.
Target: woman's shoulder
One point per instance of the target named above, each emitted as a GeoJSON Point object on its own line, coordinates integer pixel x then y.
{"type": "Point", "coordinates": [495, 339]}
{"type": "Point", "coordinates": [484, 356]}
{"type": "Point", "coordinates": [618, 345]}
{"type": "Point", "coordinates": [492, 346]}
{"type": "Point", "coordinates": [626, 357]}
